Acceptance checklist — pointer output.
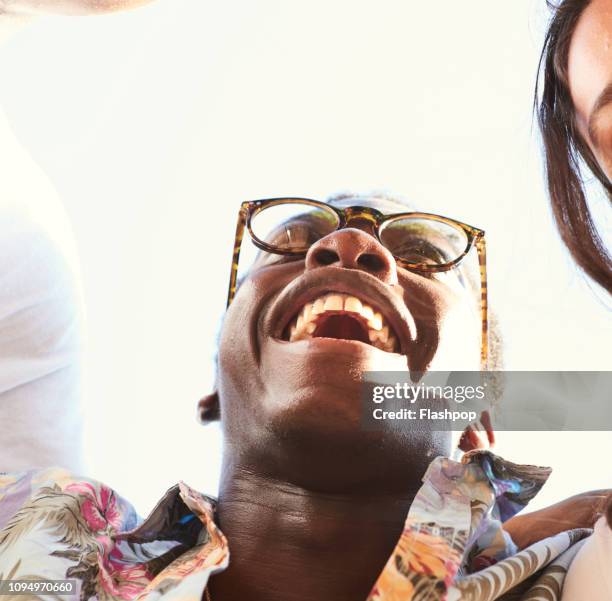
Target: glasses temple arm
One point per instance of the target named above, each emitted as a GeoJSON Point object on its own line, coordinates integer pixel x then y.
{"type": "Point", "coordinates": [240, 225]}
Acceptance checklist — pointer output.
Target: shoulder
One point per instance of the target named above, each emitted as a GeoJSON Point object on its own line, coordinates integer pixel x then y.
{"type": "Point", "coordinates": [40, 296]}
{"type": "Point", "coordinates": [35, 491]}
{"type": "Point", "coordinates": [56, 525]}
{"type": "Point", "coordinates": [40, 333]}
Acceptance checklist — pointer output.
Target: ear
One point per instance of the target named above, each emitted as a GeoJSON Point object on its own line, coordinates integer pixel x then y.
{"type": "Point", "coordinates": [209, 409]}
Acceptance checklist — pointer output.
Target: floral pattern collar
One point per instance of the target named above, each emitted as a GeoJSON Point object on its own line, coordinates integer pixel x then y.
{"type": "Point", "coordinates": [56, 526]}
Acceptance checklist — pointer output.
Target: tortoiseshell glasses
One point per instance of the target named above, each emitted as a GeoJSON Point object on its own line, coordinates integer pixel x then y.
{"type": "Point", "coordinates": [419, 242]}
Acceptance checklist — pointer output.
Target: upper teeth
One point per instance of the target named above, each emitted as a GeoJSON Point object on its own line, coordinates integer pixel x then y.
{"type": "Point", "coordinates": [305, 323]}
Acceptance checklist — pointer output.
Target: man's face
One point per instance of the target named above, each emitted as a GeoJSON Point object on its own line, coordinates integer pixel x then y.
{"type": "Point", "coordinates": [66, 7]}
{"type": "Point", "coordinates": [299, 334]}
{"type": "Point", "coordinates": [590, 79]}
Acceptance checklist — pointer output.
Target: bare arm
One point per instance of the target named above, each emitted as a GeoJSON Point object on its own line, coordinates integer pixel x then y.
{"type": "Point", "coordinates": [579, 511]}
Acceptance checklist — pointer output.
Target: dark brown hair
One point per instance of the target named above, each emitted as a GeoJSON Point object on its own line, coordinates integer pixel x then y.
{"type": "Point", "coordinates": [565, 149]}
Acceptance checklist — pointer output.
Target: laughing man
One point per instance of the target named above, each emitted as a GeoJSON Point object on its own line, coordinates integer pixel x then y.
{"type": "Point", "coordinates": [311, 505]}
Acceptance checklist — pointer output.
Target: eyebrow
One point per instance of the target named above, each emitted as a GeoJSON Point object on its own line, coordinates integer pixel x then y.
{"type": "Point", "coordinates": [603, 100]}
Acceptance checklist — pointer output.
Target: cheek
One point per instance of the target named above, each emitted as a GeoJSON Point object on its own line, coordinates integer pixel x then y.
{"type": "Point", "coordinates": [237, 375]}
{"type": "Point", "coordinates": [239, 379]}
{"type": "Point", "coordinates": [604, 154]}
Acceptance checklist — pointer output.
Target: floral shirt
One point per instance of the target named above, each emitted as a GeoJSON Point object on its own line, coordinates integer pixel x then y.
{"type": "Point", "coordinates": [56, 526]}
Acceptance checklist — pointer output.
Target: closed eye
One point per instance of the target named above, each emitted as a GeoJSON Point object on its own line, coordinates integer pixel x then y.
{"type": "Point", "coordinates": [419, 250]}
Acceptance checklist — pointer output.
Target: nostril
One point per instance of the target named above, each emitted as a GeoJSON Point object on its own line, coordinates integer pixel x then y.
{"type": "Point", "coordinates": [326, 257]}
{"type": "Point", "coordinates": [371, 262]}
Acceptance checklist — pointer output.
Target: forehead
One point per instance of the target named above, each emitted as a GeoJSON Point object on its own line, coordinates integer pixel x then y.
{"type": "Point", "coordinates": [590, 58]}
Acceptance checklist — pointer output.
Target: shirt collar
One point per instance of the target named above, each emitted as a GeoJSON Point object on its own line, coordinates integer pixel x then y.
{"type": "Point", "coordinates": [452, 527]}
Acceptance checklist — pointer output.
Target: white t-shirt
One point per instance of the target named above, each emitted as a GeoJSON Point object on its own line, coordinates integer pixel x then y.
{"type": "Point", "coordinates": [589, 577]}
{"type": "Point", "coordinates": [40, 319]}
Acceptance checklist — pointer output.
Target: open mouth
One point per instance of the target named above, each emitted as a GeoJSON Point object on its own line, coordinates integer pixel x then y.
{"type": "Point", "coordinates": [342, 317]}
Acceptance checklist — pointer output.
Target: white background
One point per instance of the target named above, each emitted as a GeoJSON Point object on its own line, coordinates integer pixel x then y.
{"type": "Point", "coordinates": [153, 125]}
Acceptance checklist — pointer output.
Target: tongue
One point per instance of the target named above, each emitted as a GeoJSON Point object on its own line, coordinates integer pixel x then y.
{"type": "Point", "coordinates": [341, 326]}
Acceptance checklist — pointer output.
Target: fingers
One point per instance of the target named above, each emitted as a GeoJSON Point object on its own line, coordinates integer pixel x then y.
{"type": "Point", "coordinates": [478, 435]}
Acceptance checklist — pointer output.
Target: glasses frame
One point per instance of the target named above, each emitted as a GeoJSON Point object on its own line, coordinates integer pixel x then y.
{"type": "Point", "coordinates": [346, 215]}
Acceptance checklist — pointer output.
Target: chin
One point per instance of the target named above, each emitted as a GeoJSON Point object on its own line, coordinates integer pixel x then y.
{"type": "Point", "coordinates": [317, 440]}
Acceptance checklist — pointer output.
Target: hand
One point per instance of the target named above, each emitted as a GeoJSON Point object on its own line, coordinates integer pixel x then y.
{"type": "Point", "coordinates": [579, 511]}
{"type": "Point", "coordinates": [478, 434]}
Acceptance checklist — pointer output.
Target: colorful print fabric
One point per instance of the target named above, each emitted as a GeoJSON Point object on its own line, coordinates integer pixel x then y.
{"type": "Point", "coordinates": [56, 526]}
{"type": "Point", "coordinates": [453, 546]}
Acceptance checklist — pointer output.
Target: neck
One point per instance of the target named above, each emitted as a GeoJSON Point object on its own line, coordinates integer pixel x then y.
{"type": "Point", "coordinates": [292, 544]}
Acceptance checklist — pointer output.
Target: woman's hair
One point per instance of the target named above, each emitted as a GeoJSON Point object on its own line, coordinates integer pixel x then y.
{"type": "Point", "coordinates": [565, 149]}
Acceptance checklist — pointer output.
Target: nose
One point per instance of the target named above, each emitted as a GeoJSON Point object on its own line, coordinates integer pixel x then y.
{"type": "Point", "coordinates": [353, 249]}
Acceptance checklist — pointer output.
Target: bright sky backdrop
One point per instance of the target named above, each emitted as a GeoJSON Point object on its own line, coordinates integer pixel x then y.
{"type": "Point", "coordinates": [153, 125]}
